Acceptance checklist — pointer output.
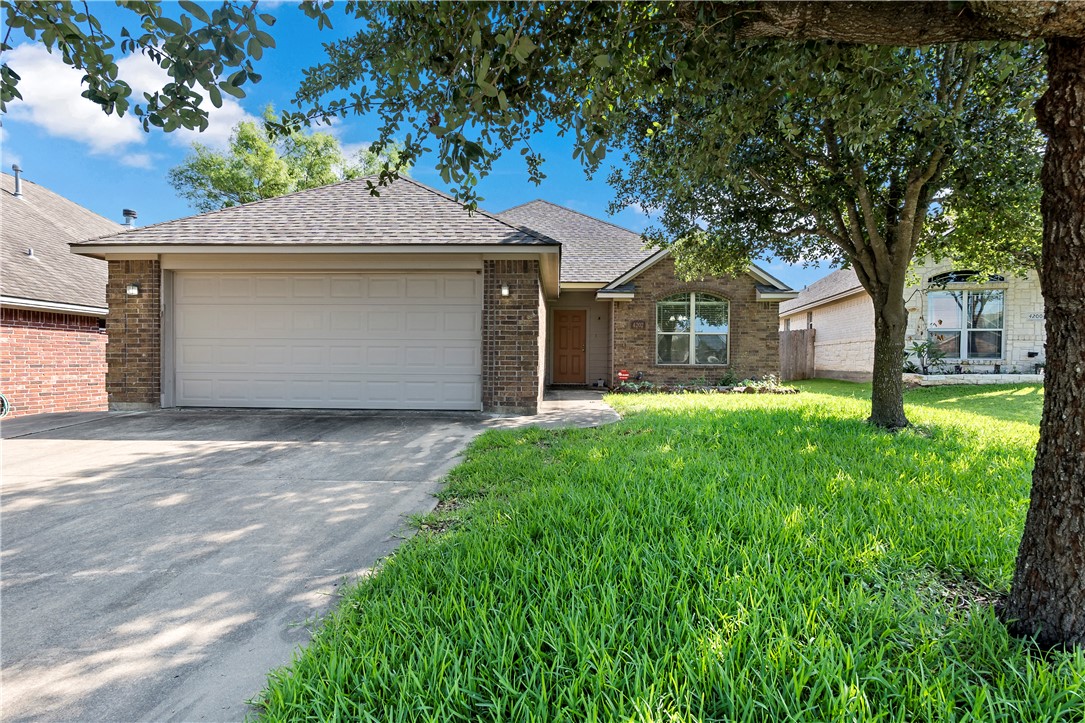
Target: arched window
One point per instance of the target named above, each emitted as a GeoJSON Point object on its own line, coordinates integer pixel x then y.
{"type": "Point", "coordinates": [692, 329]}
{"type": "Point", "coordinates": [962, 276]}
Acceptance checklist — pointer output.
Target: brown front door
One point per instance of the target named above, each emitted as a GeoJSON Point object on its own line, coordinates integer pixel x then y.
{"type": "Point", "coordinates": [570, 341]}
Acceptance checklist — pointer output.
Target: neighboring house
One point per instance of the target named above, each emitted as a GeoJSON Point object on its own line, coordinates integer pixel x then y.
{"type": "Point", "coordinates": [52, 303]}
{"type": "Point", "coordinates": [334, 298]}
{"type": "Point", "coordinates": [981, 324]}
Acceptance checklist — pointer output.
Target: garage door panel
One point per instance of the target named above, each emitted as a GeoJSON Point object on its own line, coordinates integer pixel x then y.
{"type": "Point", "coordinates": [337, 341]}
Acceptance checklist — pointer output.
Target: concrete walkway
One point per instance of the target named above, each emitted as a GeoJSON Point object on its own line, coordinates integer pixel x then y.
{"type": "Point", "coordinates": [564, 407]}
{"type": "Point", "coordinates": [156, 566]}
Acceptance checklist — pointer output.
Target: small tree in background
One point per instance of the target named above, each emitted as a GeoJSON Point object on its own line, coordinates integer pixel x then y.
{"type": "Point", "coordinates": [255, 166]}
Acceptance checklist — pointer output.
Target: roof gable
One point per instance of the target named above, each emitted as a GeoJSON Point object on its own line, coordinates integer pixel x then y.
{"type": "Point", "coordinates": [768, 285]}
{"type": "Point", "coordinates": [346, 213]}
{"type": "Point", "coordinates": [836, 285]}
{"type": "Point", "coordinates": [47, 223]}
{"type": "Point", "coordinates": [593, 250]}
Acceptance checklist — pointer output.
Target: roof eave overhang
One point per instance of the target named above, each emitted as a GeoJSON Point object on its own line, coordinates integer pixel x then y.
{"type": "Point", "coordinates": [582, 285]}
{"type": "Point", "coordinates": [102, 251]}
{"type": "Point", "coordinates": [823, 301]}
{"type": "Point", "coordinates": [15, 302]}
{"type": "Point", "coordinates": [617, 295]}
{"type": "Point", "coordinates": [754, 270]}
{"type": "Point", "coordinates": [776, 295]}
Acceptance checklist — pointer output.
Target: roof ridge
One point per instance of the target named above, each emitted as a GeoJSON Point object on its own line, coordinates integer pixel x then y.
{"type": "Point", "coordinates": [578, 213]}
{"type": "Point", "coordinates": [240, 205]}
{"type": "Point", "coordinates": [34, 209]}
{"type": "Point", "coordinates": [493, 217]}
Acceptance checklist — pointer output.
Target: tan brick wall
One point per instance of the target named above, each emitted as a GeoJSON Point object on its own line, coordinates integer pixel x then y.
{"type": "Point", "coordinates": [754, 341]}
{"type": "Point", "coordinates": [1023, 320]}
{"type": "Point", "coordinates": [511, 331]}
{"type": "Point", "coordinates": [844, 343]}
{"type": "Point", "coordinates": [51, 362]}
{"type": "Point", "coordinates": [133, 354]}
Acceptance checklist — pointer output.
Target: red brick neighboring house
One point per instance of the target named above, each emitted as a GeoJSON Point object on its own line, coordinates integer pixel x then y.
{"type": "Point", "coordinates": [52, 303]}
{"type": "Point", "coordinates": [334, 298]}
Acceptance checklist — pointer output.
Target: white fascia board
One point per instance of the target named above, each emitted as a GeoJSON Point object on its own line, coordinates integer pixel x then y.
{"type": "Point", "coordinates": [15, 302]}
{"type": "Point", "coordinates": [755, 271]}
{"type": "Point", "coordinates": [581, 285]}
{"type": "Point", "coordinates": [640, 268]}
{"type": "Point", "coordinates": [625, 295]}
{"type": "Point", "coordinates": [102, 250]}
{"type": "Point", "coordinates": [776, 295]}
{"type": "Point", "coordinates": [823, 301]}
{"type": "Point", "coordinates": [765, 277]}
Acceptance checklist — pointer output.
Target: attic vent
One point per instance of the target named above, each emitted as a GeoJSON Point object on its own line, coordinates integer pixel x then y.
{"type": "Point", "coordinates": [30, 253]}
{"type": "Point", "coordinates": [18, 184]}
{"type": "Point", "coordinates": [129, 217]}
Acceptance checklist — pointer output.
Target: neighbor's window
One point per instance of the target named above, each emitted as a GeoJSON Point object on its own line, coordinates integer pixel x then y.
{"type": "Point", "coordinates": [692, 329]}
{"type": "Point", "coordinates": [966, 324]}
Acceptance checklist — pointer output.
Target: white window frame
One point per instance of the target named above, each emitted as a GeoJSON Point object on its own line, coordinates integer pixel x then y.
{"type": "Point", "coordinates": [692, 333]}
{"type": "Point", "coordinates": [964, 329]}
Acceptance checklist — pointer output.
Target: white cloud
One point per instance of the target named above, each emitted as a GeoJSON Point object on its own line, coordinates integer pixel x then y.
{"type": "Point", "coordinates": [138, 160]}
{"type": "Point", "coordinates": [52, 101]}
{"type": "Point", "coordinates": [144, 75]}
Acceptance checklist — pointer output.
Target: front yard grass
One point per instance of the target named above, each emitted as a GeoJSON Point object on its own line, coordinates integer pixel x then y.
{"type": "Point", "coordinates": [710, 557]}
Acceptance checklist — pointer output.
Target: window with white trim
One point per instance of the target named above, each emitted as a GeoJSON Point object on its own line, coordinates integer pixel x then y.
{"type": "Point", "coordinates": [692, 329]}
{"type": "Point", "coordinates": [967, 324]}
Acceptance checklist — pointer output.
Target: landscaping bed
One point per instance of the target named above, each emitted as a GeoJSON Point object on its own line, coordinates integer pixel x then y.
{"type": "Point", "coordinates": [710, 557]}
{"type": "Point", "coordinates": [766, 385]}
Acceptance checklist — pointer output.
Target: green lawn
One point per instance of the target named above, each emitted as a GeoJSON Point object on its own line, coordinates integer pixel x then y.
{"type": "Point", "coordinates": [710, 557]}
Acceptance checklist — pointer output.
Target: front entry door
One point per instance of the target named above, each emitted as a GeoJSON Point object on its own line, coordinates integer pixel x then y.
{"type": "Point", "coordinates": [570, 342]}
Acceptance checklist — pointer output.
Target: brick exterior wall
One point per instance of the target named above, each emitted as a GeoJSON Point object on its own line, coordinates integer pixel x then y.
{"type": "Point", "coordinates": [133, 354]}
{"type": "Point", "coordinates": [754, 340]}
{"type": "Point", "coordinates": [844, 343]}
{"type": "Point", "coordinates": [51, 362]}
{"type": "Point", "coordinates": [510, 337]}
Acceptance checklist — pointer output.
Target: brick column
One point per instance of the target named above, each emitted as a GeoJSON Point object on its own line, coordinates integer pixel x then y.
{"type": "Point", "coordinates": [510, 337]}
{"type": "Point", "coordinates": [133, 352]}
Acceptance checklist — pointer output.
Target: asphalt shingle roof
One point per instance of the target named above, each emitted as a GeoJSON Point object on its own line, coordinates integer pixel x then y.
{"type": "Point", "coordinates": [835, 284]}
{"type": "Point", "coordinates": [47, 222]}
{"type": "Point", "coordinates": [591, 250]}
{"type": "Point", "coordinates": [406, 212]}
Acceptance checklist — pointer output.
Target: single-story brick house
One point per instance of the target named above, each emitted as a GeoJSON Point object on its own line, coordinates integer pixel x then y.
{"type": "Point", "coordinates": [981, 323]}
{"type": "Point", "coordinates": [52, 303]}
{"type": "Point", "coordinates": [334, 298]}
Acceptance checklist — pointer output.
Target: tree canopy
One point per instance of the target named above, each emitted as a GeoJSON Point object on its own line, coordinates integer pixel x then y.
{"type": "Point", "coordinates": [256, 166]}
{"type": "Point", "coordinates": [481, 78]}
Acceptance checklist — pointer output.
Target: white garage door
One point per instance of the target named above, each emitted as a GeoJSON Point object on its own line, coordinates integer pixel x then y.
{"type": "Point", "coordinates": [340, 341]}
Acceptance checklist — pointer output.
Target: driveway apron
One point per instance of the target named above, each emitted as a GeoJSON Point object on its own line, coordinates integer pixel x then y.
{"type": "Point", "coordinates": [156, 566]}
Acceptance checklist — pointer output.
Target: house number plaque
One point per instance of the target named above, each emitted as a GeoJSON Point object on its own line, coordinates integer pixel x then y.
{"type": "Point", "coordinates": [638, 324]}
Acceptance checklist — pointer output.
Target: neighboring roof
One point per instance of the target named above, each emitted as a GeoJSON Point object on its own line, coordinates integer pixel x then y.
{"type": "Point", "coordinates": [405, 213]}
{"type": "Point", "coordinates": [47, 222]}
{"type": "Point", "coordinates": [836, 285]}
{"type": "Point", "coordinates": [591, 250]}
{"type": "Point", "coordinates": [769, 289]}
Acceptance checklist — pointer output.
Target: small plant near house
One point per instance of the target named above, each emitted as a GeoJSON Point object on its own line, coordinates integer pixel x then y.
{"type": "Point", "coordinates": [768, 384]}
{"type": "Point", "coordinates": [924, 357]}
{"type": "Point", "coordinates": [727, 380]}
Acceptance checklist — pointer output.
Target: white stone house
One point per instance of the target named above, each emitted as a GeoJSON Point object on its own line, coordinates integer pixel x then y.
{"type": "Point", "coordinates": [982, 324]}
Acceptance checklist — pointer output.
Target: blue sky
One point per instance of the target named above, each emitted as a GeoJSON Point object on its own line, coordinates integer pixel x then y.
{"type": "Point", "coordinates": [67, 144]}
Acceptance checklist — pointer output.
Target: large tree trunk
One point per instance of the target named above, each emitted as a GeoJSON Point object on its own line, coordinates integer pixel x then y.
{"type": "Point", "coordinates": [1047, 600]}
{"type": "Point", "coordinates": [887, 390]}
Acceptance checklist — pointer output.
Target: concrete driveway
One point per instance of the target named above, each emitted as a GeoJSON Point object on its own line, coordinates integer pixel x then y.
{"type": "Point", "coordinates": [156, 566]}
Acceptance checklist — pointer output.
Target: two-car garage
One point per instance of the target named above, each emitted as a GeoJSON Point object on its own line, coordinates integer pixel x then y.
{"type": "Point", "coordinates": [327, 340]}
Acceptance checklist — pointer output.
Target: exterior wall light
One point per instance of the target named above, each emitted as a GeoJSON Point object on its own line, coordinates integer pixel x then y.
{"type": "Point", "coordinates": [132, 289]}
{"type": "Point", "coordinates": [504, 289]}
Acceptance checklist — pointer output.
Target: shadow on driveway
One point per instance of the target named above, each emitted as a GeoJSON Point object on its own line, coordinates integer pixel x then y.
{"type": "Point", "coordinates": [156, 566]}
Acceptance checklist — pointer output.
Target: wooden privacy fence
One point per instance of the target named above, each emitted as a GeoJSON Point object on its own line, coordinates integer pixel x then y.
{"type": "Point", "coordinates": [796, 354]}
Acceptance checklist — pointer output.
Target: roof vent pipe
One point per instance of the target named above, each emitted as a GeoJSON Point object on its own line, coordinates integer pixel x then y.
{"type": "Point", "coordinates": [129, 218]}
{"type": "Point", "coordinates": [18, 180]}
